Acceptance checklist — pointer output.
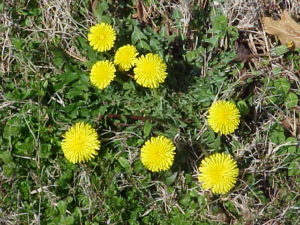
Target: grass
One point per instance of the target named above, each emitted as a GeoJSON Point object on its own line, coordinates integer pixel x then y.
{"type": "Point", "coordinates": [213, 50]}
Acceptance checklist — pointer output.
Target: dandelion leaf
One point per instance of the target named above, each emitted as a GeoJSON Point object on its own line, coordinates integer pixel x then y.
{"type": "Point", "coordinates": [286, 29]}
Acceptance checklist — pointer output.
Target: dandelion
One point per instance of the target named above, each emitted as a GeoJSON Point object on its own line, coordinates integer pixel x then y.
{"type": "Point", "coordinates": [157, 154]}
{"type": "Point", "coordinates": [224, 117]}
{"type": "Point", "coordinates": [102, 37]}
{"type": "Point", "coordinates": [218, 172]}
{"type": "Point", "coordinates": [150, 71]}
{"type": "Point", "coordinates": [102, 74]}
{"type": "Point", "coordinates": [80, 143]}
{"type": "Point", "coordinates": [125, 57]}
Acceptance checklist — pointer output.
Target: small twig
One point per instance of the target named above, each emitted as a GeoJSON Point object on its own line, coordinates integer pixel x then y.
{"type": "Point", "coordinates": [142, 118]}
{"type": "Point", "coordinates": [248, 57]}
{"type": "Point", "coordinates": [75, 56]}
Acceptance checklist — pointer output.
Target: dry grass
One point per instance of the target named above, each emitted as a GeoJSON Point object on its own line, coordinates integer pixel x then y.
{"type": "Point", "coordinates": [246, 16]}
{"type": "Point", "coordinates": [59, 25]}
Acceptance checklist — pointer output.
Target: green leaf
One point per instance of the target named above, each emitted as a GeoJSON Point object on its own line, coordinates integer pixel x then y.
{"type": "Point", "coordinates": [9, 169]}
{"type": "Point", "coordinates": [69, 220]}
{"type": "Point", "coordinates": [282, 85]}
{"type": "Point", "coordinates": [25, 189]}
{"type": "Point", "coordinates": [62, 207]}
{"type": "Point", "coordinates": [128, 86]}
{"type": "Point", "coordinates": [1, 7]}
{"type": "Point", "coordinates": [65, 79]}
{"type": "Point", "coordinates": [26, 147]}
{"type": "Point", "coordinates": [143, 44]}
{"type": "Point", "coordinates": [83, 43]}
{"type": "Point", "coordinates": [292, 149]}
{"type": "Point", "coordinates": [194, 193]}
{"type": "Point", "coordinates": [277, 135]}
{"type": "Point", "coordinates": [137, 35]}
{"type": "Point", "coordinates": [176, 14]}
{"type": "Point", "coordinates": [279, 50]}
{"type": "Point", "coordinates": [124, 163]}
{"type": "Point", "coordinates": [45, 150]}
{"type": "Point", "coordinates": [170, 180]}
{"type": "Point", "coordinates": [12, 128]}
{"type": "Point", "coordinates": [291, 100]}
{"type": "Point", "coordinates": [294, 167]}
{"type": "Point", "coordinates": [6, 157]}
{"type": "Point", "coordinates": [219, 23]}
{"type": "Point", "coordinates": [154, 44]}
{"type": "Point", "coordinates": [217, 142]}
{"type": "Point", "coordinates": [77, 212]}
{"type": "Point", "coordinates": [212, 40]}
{"type": "Point", "coordinates": [59, 58]}
{"type": "Point", "coordinates": [101, 12]}
{"type": "Point", "coordinates": [147, 128]}
{"type": "Point", "coordinates": [243, 107]}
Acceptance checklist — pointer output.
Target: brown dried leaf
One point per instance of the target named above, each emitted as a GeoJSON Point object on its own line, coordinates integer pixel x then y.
{"type": "Point", "coordinates": [286, 28]}
{"type": "Point", "coordinates": [292, 125]}
{"type": "Point", "coordinates": [141, 13]}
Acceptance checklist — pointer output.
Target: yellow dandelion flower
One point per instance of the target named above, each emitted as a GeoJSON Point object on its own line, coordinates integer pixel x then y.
{"type": "Point", "coordinates": [102, 74]}
{"type": "Point", "coordinates": [157, 154]}
{"type": "Point", "coordinates": [125, 57]}
{"type": "Point", "coordinates": [218, 173]}
{"type": "Point", "coordinates": [150, 71]}
{"type": "Point", "coordinates": [80, 143]}
{"type": "Point", "coordinates": [102, 37]}
{"type": "Point", "coordinates": [224, 117]}
{"type": "Point", "coordinates": [290, 44]}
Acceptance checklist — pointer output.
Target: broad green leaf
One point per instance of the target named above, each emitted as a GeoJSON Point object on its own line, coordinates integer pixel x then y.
{"type": "Point", "coordinates": [137, 35]}
{"type": "Point", "coordinates": [6, 157]}
{"type": "Point", "coordinates": [212, 40]}
{"type": "Point", "coordinates": [282, 85]}
{"type": "Point", "coordinates": [124, 163]}
{"type": "Point", "coordinates": [292, 149]}
{"type": "Point", "coordinates": [59, 57]}
{"type": "Point", "coordinates": [101, 12]}
{"type": "Point", "coordinates": [9, 169]}
{"type": "Point", "coordinates": [217, 142]}
{"type": "Point", "coordinates": [291, 100]}
{"type": "Point", "coordinates": [62, 207]}
{"type": "Point", "coordinates": [12, 128]}
{"type": "Point", "coordinates": [65, 79]}
{"type": "Point", "coordinates": [69, 220]}
{"type": "Point", "coordinates": [294, 167]}
{"type": "Point", "coordinates": [154, 44]}
{"type": "Point", "coordinates": [143, 44]}
{"type": "Point", "coordinates": [127, 86]}
{"type": "Point", "coordinates": [277, 135]}
{"type": "Point", "coordinates": [243, 107]}
{"type": "Point", "coordinates": [26, 147]}
{"type": "Point", "coordinates": [170, 180]}
{"type": "Point", "coordinates": [219, 23]}
{"type": "Point", "coordinates": [147, 128]}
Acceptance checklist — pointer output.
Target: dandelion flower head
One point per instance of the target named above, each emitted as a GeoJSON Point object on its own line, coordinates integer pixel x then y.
{"type": "Point", "coordinates": [157, 154]}
{"type": "Point", "coordinates": [224, 117]}
{"type": "Point", "coordinates": [218, 172]}
{"type": "Point", "coordinates": [80, 143]}
{"type": "Point", "coordinates": [125, 57]}
{"type": "Point", "coordinates": [150, 70]}
{"type": "Point", "coordinates": [102, 74]}
{"type": "Point", "coordinates": [102, 37]}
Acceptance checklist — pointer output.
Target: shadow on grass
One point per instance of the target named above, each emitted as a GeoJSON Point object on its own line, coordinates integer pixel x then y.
{"type": "Point", "coordinates": [187, 157]}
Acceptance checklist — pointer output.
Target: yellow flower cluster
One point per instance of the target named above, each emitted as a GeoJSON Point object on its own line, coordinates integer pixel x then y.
{"type": "Point", "coordinates": [150, 70]}
{"type": "Point", "coordinates": [217, 172]}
